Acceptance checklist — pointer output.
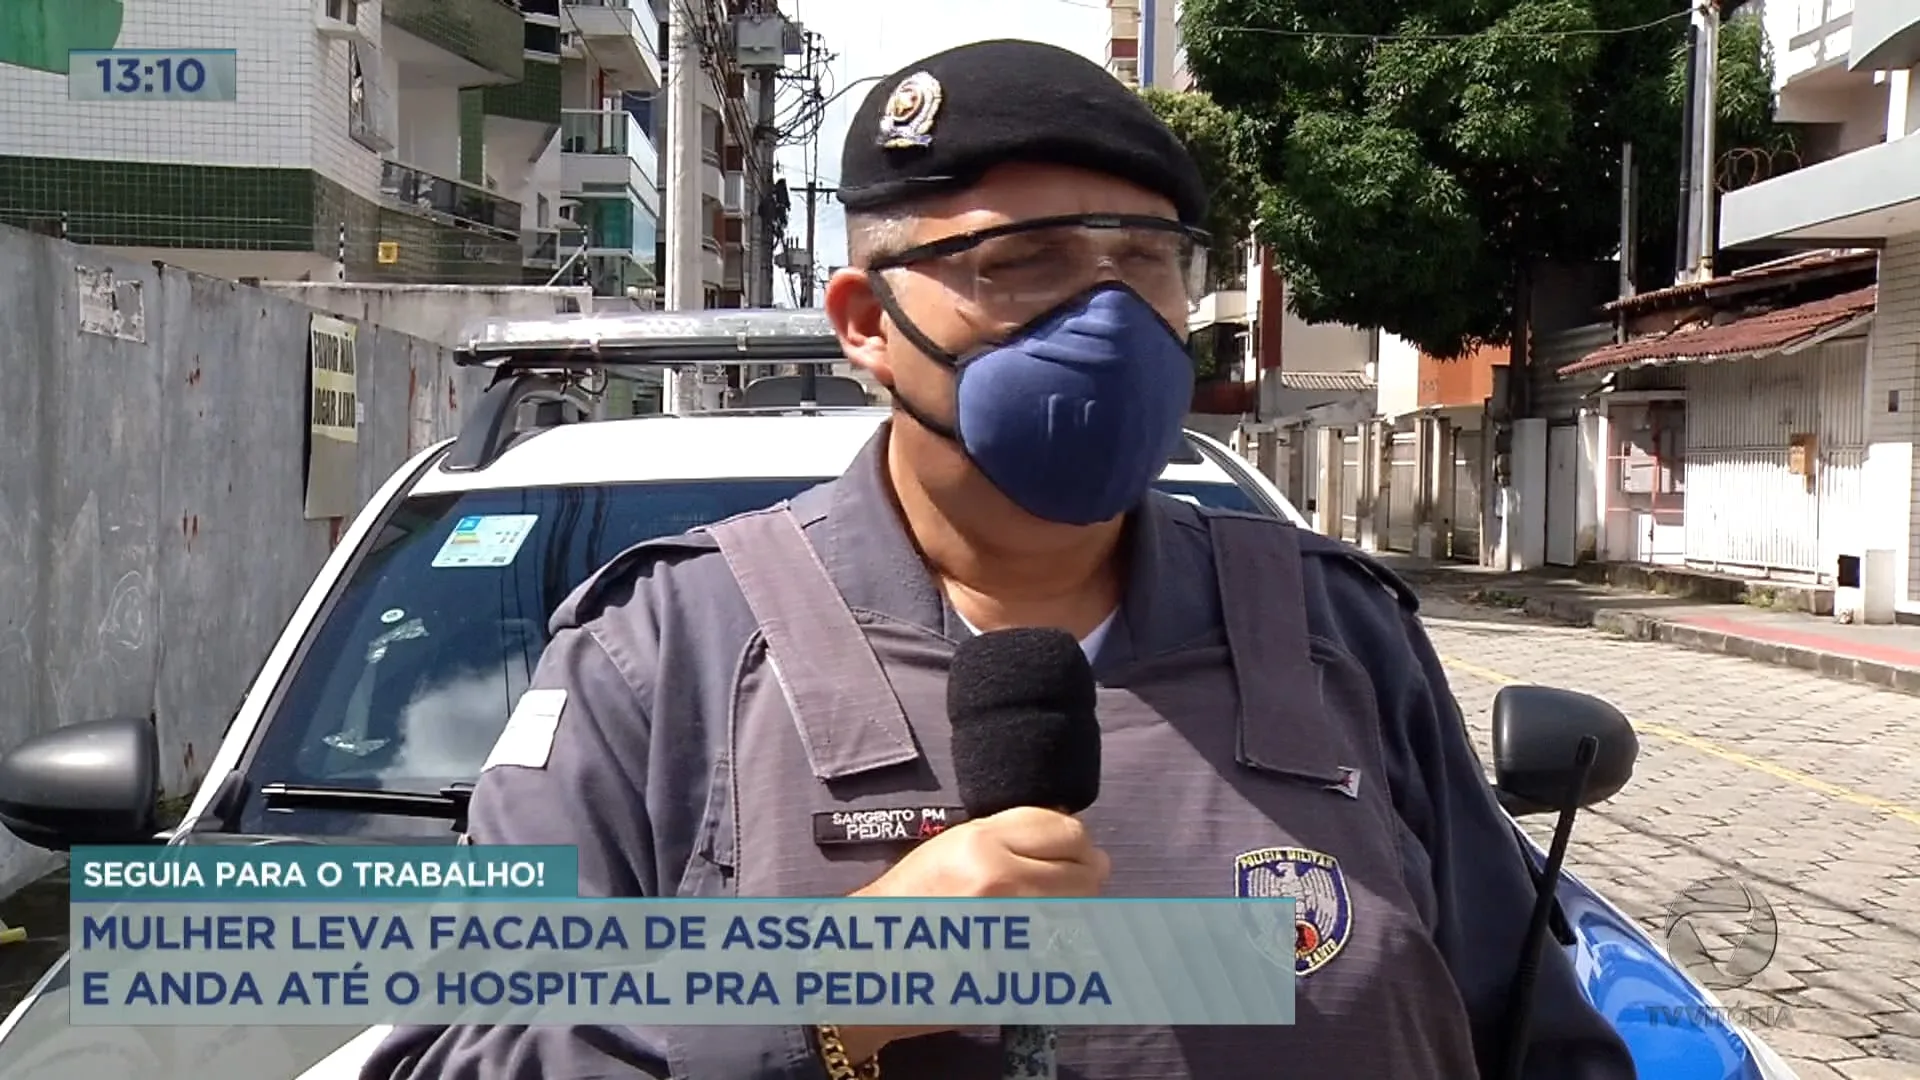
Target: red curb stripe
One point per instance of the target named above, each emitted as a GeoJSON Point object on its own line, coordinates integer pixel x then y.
{"type": "Point", "coordinates": [1857, 650]}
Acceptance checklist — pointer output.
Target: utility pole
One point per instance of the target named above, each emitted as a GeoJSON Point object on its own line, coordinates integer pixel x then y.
{"type": "Point", "coordinates": [1707, 127]}
{"type": "Point", "coordinates": [764, 133]}
{"type": "Point", "coordinates": [813, 193]}
{"type": "Point", "coordinates": [760, 46]}
{"type": "Point", "coordinates": [681, 392]}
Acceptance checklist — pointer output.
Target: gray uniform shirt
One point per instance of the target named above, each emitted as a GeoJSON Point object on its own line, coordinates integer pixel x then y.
{"type": "Point", "coordinates": [652, 651]}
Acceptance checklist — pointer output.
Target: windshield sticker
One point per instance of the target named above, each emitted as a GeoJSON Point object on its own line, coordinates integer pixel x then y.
{"type": "Point", "coordinates": [392, 615]}
{"type": "Point", "coordinates": [485, 540]}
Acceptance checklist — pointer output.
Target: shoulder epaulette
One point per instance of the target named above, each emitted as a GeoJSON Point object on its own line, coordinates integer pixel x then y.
{"type": "Point", "coordinates": [590, 598]}
{"type": "Point", "coordinates": [1316, 545]}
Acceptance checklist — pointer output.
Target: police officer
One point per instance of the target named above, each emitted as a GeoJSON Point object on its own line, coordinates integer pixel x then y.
{"type": "Point", "coordinates": [1023, 237]}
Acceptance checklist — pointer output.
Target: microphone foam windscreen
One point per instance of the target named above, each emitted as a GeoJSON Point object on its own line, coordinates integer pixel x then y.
{"type": "Point", "coordinates": [1021, 704]}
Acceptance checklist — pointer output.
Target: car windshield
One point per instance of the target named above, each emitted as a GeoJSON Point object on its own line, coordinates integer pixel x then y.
{"type": "Point", "coordinates": [422, 653]}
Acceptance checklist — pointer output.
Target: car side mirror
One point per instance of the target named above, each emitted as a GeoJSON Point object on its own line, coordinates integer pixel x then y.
{"type": "Point", "coordinates": [92, 783]}
{"type": "Point", "coordinates": [1537, 732]}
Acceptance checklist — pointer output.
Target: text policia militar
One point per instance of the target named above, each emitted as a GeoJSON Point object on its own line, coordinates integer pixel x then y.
{"type": "Point", "coordinates": [366, 935]}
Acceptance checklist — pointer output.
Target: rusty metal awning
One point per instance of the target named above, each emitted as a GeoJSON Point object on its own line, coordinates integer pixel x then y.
{"type": "Point", "coordinates": [1782, 330]}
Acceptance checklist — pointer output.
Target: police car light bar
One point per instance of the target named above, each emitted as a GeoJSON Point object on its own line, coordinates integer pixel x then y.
{"type": "Point", "coordinates": [651, 339]}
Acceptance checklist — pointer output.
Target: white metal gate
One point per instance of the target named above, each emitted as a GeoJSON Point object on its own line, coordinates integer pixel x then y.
{"type": "Point", "coordinates": [1403, 489]}
{"type": "Point", "coordinates": [1464, 538]}
{"type": "Point", "coordinates": [1350, 480]}
{"type": "Point", "coordinates": [1563, 494]}
{"type": "Point", "coordinates": [1746, 507]}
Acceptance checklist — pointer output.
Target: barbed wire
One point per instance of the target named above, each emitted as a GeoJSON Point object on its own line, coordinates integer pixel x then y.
{"type": "Point", "coordinates": [1745, 166]}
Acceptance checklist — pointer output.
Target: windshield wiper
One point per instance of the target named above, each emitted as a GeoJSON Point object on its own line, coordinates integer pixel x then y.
{"type": "Point", "coordinates": [448, 804]}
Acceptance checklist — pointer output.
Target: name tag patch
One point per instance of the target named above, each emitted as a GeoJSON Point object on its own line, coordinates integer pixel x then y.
{"type": "Point", "coordinates": [891, 825]}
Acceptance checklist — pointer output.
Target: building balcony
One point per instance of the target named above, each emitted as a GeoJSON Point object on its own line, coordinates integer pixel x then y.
{"type": "Point", "coordinates": [454, 43]}
{"type": "Point", "coordinates": [1886, 35]}
{"type": "Point", "coordinates": [713, 183]}
{"type": "Point", "coordinates": [733, 194]}
{"type": "Point", "coordinates": [1810, 40]}
{"type": "Point", "coordinates": [448, 201]}
{"type": "Point", "coordinates": [548, 248]}
{"type": "Point", "coordinates": [733, 262]}
{"type": "Point", "coordinates": [713, 264]}
{"type": "Point", "coordinates": [614, 274]}
{"type": "Point", "coordinates": [1857, 199]}
{"type": "Point", "coordinates": [615, 225]}
{"type": "Point", "coordinates": [1127, 71]}
{"type": "Point", "coordinates": [1122, 49]}
{"type": "Point", "coordinates": [607, 149]}
{"type": "Point", "coordinates": [1219, 306]}
{"type": "Point", "coordinates": [618, 36]}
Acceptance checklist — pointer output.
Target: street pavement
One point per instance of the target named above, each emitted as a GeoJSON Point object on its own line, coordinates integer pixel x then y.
{"type": "Point", "coordinates": [1799, 789]}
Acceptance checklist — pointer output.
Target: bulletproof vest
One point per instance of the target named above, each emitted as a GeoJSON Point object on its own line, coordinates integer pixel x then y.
{"type": "Point", "coordinates": [1249, 769]}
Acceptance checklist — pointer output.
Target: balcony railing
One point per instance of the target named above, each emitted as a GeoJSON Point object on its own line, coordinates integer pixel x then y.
{"type": "Point", "coordinates": [626, 32]}
{"type": "Point", "coordinates": [551, 246]}
{"type": "Point", "coordinates": [437, 196]}
{"type": "Point", "coordinates": [612, 132]}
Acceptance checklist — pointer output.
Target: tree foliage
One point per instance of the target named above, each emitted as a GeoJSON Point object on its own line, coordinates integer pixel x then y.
{"type": "Point", "coordinates": [1409, 161]}
{"type": "Point", "coordinates": [1228, 159]}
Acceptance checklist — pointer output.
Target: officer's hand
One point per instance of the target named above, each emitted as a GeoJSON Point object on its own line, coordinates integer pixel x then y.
{"type": "Point", "coordinates": [1021, 852]}
{"type": "Point", "coordinates": [1025, 851]}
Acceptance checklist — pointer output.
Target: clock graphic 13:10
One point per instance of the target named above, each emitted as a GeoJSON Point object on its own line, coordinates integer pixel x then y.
{"type": "Point", "coordinates": [152, 75]}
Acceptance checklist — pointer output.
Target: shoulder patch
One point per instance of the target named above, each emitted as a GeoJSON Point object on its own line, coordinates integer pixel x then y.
{"type": "Point", "coordinates": [1319, 546]}
{"type": "Point", "coordinates": [527, 740]}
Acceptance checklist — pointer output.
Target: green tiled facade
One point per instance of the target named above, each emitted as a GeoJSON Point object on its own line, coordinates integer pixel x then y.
{"type": "Point", "coordinates": [473, 138]}
{"type": "Point", "coordinates": [490, 33]}
{"type": "Point", "coordinates": [536, 97]}
{"type": "Point", "coordinates": [138, 204]}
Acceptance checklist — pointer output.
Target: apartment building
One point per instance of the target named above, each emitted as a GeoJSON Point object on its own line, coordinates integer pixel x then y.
{"type": "Point", "coordinates": [1143, 44]}
{"type": "Point", "coordinates": [1848, 72]}
{"type": "Point", "coordinates": [595, 190]}
{"type": "Point", "coordinates": [400, 141]}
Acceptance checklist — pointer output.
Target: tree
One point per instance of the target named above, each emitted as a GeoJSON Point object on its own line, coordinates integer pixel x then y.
{"type": "Point", "coordinates": [1414, 160]}
{"type": "Point", "coordinates": [1228, 161]}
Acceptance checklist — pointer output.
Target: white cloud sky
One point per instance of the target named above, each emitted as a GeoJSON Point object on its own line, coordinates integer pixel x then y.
{"type": "Point", "coordinates": [875, 37]}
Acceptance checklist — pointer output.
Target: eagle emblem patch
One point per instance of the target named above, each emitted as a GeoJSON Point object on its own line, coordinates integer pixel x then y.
{"type": "Point", "coordinates": [1322, 910]}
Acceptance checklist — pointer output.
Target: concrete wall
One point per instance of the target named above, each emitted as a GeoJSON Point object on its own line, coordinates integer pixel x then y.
{"type": "Point", "coordinates": [152, 539]}
{"type": "Point", "coordinates": [1891, 483]}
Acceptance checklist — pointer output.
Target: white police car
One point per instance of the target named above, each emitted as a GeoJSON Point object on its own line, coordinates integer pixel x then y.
{"type": "Point", "coordinates": [376, 707]}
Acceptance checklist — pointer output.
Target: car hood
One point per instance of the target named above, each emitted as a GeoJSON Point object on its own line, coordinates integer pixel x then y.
{"type": "Point", "coordinates": [38, 1043]}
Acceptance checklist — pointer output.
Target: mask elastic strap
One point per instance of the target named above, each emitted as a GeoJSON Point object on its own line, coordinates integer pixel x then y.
{"type": "Point", "coordinates": [889, 304]}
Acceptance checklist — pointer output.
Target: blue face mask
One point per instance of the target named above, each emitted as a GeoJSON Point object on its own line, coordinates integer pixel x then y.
{"type": "Point", "coordinates": [1075, 415]}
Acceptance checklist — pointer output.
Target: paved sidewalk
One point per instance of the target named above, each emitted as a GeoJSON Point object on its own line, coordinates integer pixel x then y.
{"type": "Point", "coordinates": [1885, 656]}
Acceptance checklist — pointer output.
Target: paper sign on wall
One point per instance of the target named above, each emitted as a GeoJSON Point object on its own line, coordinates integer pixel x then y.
{"type": "Point", "coordinates": [334, 415]}
{"type": "Point", "coordinates": [485, 540]}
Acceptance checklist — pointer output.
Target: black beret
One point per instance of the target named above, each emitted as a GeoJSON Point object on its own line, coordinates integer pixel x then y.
{"type": "Point", "coordinates": [937, 125]}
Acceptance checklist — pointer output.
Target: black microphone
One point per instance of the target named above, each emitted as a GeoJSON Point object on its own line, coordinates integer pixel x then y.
{"type": "Point", "coordinates": [1021, 706]}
